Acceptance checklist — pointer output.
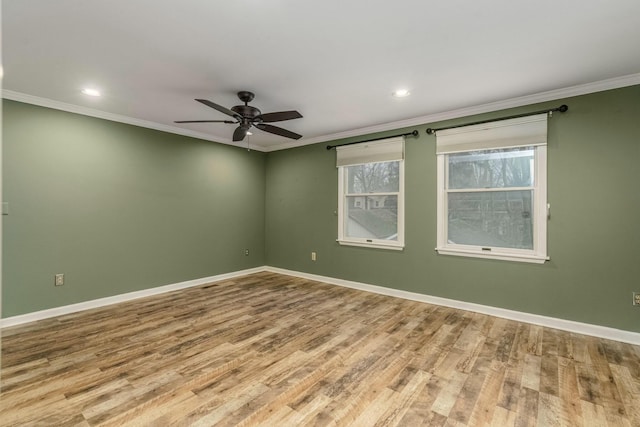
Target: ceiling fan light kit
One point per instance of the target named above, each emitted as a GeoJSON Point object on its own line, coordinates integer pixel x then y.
{"type": "Point", "coordinates": [247, 116]}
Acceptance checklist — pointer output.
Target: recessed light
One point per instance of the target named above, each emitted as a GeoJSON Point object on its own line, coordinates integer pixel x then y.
{"type": "Point", "coordinates": [91, 92]}
{"type": "Point", "coordinates": [401, 93]}
{"type": "Point", "coordinates": [249, 133]}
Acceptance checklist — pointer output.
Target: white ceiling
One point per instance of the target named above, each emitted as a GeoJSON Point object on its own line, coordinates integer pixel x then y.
{"type": "Point", "coordinates": [336, 62]}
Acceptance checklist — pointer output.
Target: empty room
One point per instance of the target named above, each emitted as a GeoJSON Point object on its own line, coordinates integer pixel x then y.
{"type": "Point", "coordinates": [291, 213]}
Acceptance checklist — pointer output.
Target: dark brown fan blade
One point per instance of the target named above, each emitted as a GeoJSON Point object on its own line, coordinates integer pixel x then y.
{"type": "Point", "coordinates": [278, 131]}
{"type": "Point", "coordinates": [280, 116]}
{"type": "Point", "coordinates": [220, 108]}
{"type": "Point", "coordinates": [204, 121]}
{"type": "Point", "coordinates": [240, 133]}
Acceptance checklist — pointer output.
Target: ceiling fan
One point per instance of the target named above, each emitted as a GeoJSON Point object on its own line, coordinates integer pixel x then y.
{"type": "Point", "coordinates": [246, 116]}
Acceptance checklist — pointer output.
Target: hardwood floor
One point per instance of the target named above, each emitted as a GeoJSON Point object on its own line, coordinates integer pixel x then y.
{"type": "Point", "coordinates": [274, 350]}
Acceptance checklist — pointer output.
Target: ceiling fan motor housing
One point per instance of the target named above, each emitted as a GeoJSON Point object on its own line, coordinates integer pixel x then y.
{"type": "Point", "coordinates": [246, 111]}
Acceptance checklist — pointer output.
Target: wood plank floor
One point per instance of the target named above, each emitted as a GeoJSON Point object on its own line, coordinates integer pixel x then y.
{"type": "Point", "coordinates": [274, 350]}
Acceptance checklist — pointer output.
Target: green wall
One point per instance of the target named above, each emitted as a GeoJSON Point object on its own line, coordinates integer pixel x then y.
{"type": "Point", "coordinates": [593, 233]}
{"type": "Point", "coordinates": [119, 208]}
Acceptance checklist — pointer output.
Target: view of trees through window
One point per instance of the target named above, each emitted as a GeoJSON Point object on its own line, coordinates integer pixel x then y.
{"type": "Point", "coordinates": [372, 200]}
{"type": "Point", "coordinates": [490, 198]}
{"type": "Point", "coordinates": [374, 178]}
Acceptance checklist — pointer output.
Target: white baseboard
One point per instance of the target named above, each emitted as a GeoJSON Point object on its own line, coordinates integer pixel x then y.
{"type": "Point", "coordinates": [536, 319]}
{"type": "Point", "coordinates": [101, 302]}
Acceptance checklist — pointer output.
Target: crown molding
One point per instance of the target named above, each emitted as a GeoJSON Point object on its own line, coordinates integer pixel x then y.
{"type": "Point", "coordinates": [552, 95]}
{"type": "Point", "coordinates": [85, 111]}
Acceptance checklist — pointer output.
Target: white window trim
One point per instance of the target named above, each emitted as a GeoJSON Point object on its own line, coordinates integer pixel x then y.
{"type": "Point", "coordinates": [537, 255]}
{"type": "Point", "coordinates": [342, 239]}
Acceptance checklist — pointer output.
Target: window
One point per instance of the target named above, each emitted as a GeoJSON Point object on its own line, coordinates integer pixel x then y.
{"type": "Point", "coordinates": [492, 200]}
{"type": "Point", "coordinates": [371, 194]}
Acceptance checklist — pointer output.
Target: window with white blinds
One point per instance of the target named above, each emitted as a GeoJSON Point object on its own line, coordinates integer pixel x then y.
{"type": "Point", "coordinates": [492, 190]}
{"type": "Point", "coordinates": [371, 194]}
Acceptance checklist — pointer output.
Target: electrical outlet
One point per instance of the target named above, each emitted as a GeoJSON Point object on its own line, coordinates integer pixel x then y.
{"type": "Point", "coordinates": [246, 252]}
{"type": "Point", "coordinates": [636, 298]}
{"type": "Point", "coordinates": [59, 280]}
{"type": "Point", "coordinates": [313, 256]}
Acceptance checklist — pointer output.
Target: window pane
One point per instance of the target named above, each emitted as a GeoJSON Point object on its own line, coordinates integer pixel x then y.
{"type": "Point", "coordinates": [373, 178]}
{"type": "Point", "coordinates": [511, 167]}
{"type": "Point", "coordinates": [372, 217]}
{"type": "Point", "coordinates": [499, 218]}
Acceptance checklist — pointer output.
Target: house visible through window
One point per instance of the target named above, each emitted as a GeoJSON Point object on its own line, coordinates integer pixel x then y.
{"type": "Point", "coordinates": [492, 190]}
{"type": "Point", "coordinates": [371, 200]}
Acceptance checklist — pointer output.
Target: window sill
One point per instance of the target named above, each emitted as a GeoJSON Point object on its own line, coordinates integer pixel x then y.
{"type": "Point", "coordinates": [393, 247]}
{"type": "Point", "coordinates": [535, 259]}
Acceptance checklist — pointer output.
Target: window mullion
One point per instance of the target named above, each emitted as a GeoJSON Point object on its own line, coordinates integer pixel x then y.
{"type": "Point", "coordinates": [388, 193]}
{"type": "Point", "coordinates": [489, 189]}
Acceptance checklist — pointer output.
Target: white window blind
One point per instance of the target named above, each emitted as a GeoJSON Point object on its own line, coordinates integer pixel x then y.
{"type": "Point", "coordinates": [386, 150]}
{"type": "Point", "coordinates": [520, 132]}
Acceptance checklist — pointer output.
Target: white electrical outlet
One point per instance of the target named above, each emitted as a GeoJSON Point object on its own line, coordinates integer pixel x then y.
{"type": "Point", "coordinates": [59, 281]}
{"type": "Point", "coordinates": [313, 256]}
{"type": "Point", "coordinates": [246, 252]}
{"type": "Point", "coordinates": [636, 298]}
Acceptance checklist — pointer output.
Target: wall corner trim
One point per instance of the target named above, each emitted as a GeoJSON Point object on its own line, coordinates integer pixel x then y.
{"type": "Point", "coordinates": [535, 319]}
{"type": "Point", "coordinates": [101, 302]}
